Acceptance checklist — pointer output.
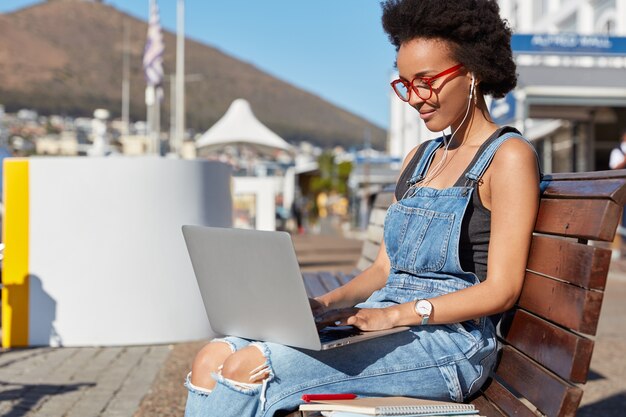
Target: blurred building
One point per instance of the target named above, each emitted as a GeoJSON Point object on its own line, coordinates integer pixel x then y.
{"type": "Point", "coordinates": [571, 94]}
{"type": "Point", "coordinates": [65, 144]}
{"type": "Point", "coordinates": [586, 17]}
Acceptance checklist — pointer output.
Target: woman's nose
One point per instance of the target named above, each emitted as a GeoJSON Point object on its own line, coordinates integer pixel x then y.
{"type": "Point", "coordinates": [415, 100]}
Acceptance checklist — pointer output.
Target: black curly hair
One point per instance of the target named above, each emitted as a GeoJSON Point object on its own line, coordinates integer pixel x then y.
{"type": "Point", "coordinates": [478, 36]}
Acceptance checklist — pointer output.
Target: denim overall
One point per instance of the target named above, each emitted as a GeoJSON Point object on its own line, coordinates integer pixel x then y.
{"type": "Point", "coordinates": [446, 362]}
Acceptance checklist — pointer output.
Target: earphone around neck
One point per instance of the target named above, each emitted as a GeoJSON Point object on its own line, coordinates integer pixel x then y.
{"type": "Point", "coordinates": [434, 171]}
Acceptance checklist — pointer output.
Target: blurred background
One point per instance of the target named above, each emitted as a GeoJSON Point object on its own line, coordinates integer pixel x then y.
{"type": "Point", "coordinates": [316, 112]}
{"type": "Point", "coordinates": [120, 121]}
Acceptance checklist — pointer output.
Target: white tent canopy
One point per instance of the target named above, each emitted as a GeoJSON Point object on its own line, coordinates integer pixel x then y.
{"type": "Point", "coordinates": [240, 126]}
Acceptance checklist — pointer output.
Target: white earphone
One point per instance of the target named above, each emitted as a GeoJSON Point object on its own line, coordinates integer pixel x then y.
{"type": "Point", "coordinates": [435, 170]}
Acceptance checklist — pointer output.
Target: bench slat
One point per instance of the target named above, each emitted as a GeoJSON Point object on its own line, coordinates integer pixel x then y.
{"type": "Point", "coordinates": [375, 233]}
{"type": "Point", "coordinates": [555, 257]}
{"type": "Point", "coordinates": [370, 250]}
{"type": "Point", "coordinates": [377, 216]}
{"type": "Point", "coordinates": [487, 408]}
{"type": "Point", "coordinates": [599, 188]}
{"type": "Point", "coordinates": [550, 394]}
{"type": "Point", "coordinates": [327, 246]}
{"type": "Point", "coordinates": [313, 285]}
{"type": "Point", "coordinates": [345, 278]}
{"type": "Point", "coordinates": [580, 218]}
{"type": "Point", "coordinates": [584, 176]}
{"type": "Point", "coordinates": [329, 280]}
{"type": "Point", "coordinates": [567, 305]}
{"type": "Point", "coordinates": [507, 402]}
{"type": "Point", "coordinates": [363, 264]}
{"type": "Point", "coordinates": [308, 259]}
{"type": "Point", "coordinates": [564, 353]}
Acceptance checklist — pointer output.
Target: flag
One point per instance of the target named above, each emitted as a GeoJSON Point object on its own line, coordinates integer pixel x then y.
{"type": "Point", "coordinates": [153, 52]}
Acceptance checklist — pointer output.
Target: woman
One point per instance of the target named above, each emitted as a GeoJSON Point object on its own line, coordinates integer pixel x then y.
{"type": "Point", "coordinates": [458, 198]}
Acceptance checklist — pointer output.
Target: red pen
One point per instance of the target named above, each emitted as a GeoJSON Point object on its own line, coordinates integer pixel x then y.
{"type": "Point", "coordinates": [322, 397]}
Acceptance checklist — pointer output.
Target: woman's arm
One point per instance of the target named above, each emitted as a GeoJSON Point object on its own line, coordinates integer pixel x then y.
{"type": "Point", "coordinates": [360, 287]}
{"type": "Point", "coordinates": [514, 188]}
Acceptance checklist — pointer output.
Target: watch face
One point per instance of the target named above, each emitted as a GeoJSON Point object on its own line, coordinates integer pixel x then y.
{"type": "Point", "coordinates": [424, 307]}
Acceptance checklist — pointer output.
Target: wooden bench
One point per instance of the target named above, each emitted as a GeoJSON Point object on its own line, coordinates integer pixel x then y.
{"type": "Point", "coordinates": [546, 348]}
{"type": "Point", "coordinates": [326, 252]}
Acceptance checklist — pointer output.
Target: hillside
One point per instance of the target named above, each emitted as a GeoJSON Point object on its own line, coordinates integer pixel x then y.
{"type": "Point", "coordinates": [66, 57]}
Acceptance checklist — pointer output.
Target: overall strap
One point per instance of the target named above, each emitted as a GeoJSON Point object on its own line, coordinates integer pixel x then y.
{"type": "Point", "coordinates": [427, 156]}
{"type": "Point", "coordinates": [481, 165]}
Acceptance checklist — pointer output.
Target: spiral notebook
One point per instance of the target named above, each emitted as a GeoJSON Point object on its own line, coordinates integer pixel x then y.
{"type": "Point", "coordinates": [392, 406]}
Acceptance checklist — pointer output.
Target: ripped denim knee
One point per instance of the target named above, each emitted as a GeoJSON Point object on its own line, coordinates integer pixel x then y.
{"type": "Point", "coordinates": [194, 388]}
{"type": "Point", "coordinates": [233, 343]}
{"type": "Point", "coordinates": [263, 372]}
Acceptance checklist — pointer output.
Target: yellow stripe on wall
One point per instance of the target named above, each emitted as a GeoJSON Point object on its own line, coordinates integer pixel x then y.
{"type": "Point", "coordinates": [15, 280]}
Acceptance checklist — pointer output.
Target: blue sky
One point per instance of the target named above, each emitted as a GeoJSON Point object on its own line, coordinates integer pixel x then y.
{"type": "Point", "coordinates": [333, 48]}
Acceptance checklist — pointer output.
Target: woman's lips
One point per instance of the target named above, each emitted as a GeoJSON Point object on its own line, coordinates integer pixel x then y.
{"type": "Point", "coordinates": [425, 115]}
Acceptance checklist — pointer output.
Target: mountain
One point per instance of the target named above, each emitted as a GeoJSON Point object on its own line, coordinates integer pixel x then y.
{"type": "Point", "coordinates": [65, 57]}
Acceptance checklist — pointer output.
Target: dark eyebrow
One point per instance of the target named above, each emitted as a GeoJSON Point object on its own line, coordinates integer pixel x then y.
{"type": "Point", "coordinates": [420, 74]}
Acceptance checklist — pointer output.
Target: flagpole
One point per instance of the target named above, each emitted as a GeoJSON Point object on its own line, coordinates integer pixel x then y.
{"type": "Point", "coordinates": [157, 120]}
{"type": "Point", "coordinates": [153, 67]}
{"type": "Point", "coordinates": [150, 98]}
{"type": "Point", "coordinates": [172, 113]}
{"type": "Point", "coordinates": [126, 84]}
{"type": "Point", "coordinates": [180, 76]}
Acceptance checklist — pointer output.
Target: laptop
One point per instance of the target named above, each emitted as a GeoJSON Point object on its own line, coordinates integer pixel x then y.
{"type": "Point", "coordinates": [251, 286]}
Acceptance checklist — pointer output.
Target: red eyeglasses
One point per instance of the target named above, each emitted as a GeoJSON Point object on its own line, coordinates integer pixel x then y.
{"type": "Point", "coordinates": [422, 86]}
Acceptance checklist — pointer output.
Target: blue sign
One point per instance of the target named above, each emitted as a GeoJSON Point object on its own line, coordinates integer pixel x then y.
{"type": "Point", "coordinates": [569, 44]}
{"type": "Point", "coordinates": [503, 110]}
{"type": "Point", "coordinates": [382, 159]}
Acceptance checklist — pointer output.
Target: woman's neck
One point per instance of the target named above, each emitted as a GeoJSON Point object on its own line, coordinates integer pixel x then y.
{"type": "Point", "coordinates": [476, 128]}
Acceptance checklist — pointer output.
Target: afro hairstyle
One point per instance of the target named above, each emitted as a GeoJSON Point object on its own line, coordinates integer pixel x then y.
{"type": "Point", "coordinates": [478, 37]}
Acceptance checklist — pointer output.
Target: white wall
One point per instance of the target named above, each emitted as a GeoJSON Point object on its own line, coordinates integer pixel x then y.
{"type": "Point", "coordinates": [108, 261]}
{"type": "Point", "coordinates": [265, 190]}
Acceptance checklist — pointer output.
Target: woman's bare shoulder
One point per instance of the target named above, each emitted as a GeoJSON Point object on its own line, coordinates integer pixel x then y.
{"type": "Point", "coordinates": [516, 155]}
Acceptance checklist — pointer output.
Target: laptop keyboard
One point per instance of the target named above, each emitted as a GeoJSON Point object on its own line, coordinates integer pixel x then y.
{"type": "Point", "coordinates": [329, 334]}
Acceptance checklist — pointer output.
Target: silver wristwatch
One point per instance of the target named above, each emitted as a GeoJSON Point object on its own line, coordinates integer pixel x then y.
{"type": "Point", "coordinates": [424, 309]}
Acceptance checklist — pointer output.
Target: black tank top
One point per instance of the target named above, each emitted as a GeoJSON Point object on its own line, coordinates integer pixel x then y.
{"type": "Point", "coordinates": [476, 225]}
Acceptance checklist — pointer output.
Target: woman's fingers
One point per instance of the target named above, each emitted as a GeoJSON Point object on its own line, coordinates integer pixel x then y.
{"type": "Point", "coordinates": [370, 319]}
{"type": "Point", "coordinates": [316, 307]}
{"type": "Point", "coordinates": [335, 317]}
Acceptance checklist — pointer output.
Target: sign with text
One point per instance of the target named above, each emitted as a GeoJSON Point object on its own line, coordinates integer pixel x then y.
{"type": "Point", "coordinates": [568, 44]}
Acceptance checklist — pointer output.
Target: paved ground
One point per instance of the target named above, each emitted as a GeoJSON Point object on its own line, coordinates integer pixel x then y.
{"type": "Point", "coordinates": [77, 382]}
{"type": "Point", "coordinates": [605, 392]}
{"type": "Point", "coordinates": [147, 380]}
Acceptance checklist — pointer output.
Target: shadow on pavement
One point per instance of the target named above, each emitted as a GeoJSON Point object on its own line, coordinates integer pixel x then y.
{"type": "Point", "coordinates": [29, 395]}
{"type": "Point", "coordinates": [594, 376]}
{"type": "Point", "coordinates": [612, 406]}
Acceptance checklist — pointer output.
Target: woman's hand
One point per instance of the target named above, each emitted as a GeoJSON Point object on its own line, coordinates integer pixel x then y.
{"type": "Point", "coordinates": [370, 319]}
{"type": "Point", "coordinates": [366, 319]}
{"type": "Point", "coordinates": [317, 307]}
{"type": "Point", "coordinates": [334, 317]}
